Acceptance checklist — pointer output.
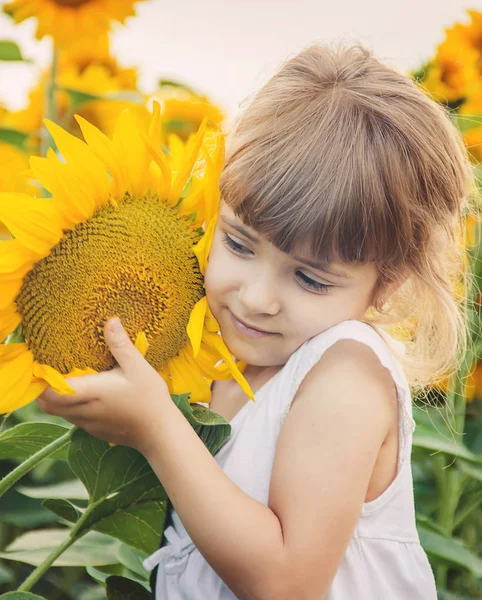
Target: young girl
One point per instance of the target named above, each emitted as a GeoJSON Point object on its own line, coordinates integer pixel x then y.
{"type": "Point", "coordinates": [342, 193]}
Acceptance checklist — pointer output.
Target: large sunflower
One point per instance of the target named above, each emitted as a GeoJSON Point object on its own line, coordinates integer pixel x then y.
{"type": "Point", "coordinates": [68, 20]}
{"type": "Point", "coordinates": [114, 239]}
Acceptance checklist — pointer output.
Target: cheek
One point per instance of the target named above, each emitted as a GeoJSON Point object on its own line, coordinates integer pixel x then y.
{"type": "Point", "coordinates": [217, 278]}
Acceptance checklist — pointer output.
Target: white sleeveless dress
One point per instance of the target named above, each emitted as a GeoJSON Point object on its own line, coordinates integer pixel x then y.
{"type": "Point", "coordinates": [383, 560]}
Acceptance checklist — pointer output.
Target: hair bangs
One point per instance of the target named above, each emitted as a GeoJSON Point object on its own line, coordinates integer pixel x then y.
{"type": "Point", "coordinates": [328, 196]}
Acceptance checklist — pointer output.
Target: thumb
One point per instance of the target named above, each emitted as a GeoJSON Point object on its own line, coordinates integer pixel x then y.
{"type": "Point", "coordinates": [121, 346]}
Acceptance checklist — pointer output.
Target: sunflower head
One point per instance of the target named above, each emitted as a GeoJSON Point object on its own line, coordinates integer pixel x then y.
{"type": "Point", "coordinates": [183, 110]}
{"type": "Point", "coordinates": [68, 20]}
{"type": "Point", "coordinates": [123, 234]}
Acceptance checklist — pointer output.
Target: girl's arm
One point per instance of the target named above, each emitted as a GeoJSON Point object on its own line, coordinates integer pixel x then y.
{"type": "Point", "coordinates": [325, 455]}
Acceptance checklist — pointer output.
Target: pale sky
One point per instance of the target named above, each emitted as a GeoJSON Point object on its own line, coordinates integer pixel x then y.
{"type": "Point", "coordinates": [228, 49]}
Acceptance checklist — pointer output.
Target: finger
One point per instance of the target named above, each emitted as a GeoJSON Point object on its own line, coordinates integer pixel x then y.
{"type": "Point", "coordinates": [52, 397]}
{"type": "Point", "coordinates": [88, 387]}
{"type": "Point", "coordinates": [76, 411]}
{"type": "Point", "coordinates": [123, 350]}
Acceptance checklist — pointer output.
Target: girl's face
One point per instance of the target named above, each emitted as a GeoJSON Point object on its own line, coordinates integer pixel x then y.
{"type": "Point", "coordinates": [268, 303]}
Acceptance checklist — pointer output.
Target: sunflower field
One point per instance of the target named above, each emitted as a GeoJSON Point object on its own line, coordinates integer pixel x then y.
{"type": "Point", "coordinates": [82, 169]}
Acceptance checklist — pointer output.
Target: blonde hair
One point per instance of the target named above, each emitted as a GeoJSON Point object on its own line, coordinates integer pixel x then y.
{"type": "Point", "coordinates": [349, 155]}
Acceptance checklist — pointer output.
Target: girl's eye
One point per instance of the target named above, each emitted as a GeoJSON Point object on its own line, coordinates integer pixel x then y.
{"type": "Point", "coordinates": [312, 284]}
{"type": "Point", "coordinates": [235, 246]}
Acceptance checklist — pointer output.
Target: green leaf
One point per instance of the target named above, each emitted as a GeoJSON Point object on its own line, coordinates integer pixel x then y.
{"type": "Point", "coordinates": [16, 337]}
{"type": "Point", "coordinates": [63, 509]}
{"type": "Point", "coordinates": [446, 595]}
{"type": "Point", "coordinates": [23, 512]}
{"type": "Point", "coordinates": [34, 547]}
{"type": "Point", "coordinates": [78, 98]}
{"type": "Point", "coordinates": [474, 471]}
{"type": "Point", "coordinates": [132, 559]}
{"type": "Point", "coordinates": [10, 51]}
{"type": "Point", "coordinates": [13, 137]}
{"type": "Point", "coordinates": [450, 550]}
{"type": "Point", "coordinates": [73, 490]}
{"type": "Point", "coordinates": [126, 499]}
{"type": "Point", "coordinates": [466, 122]}
{"type": "Point", "coordinates": [106, 469]}
{"type": "Point", "coordinates": [424, 521]}
{"type": "Point", "coordinates": [431, 439]}
{"type": "Point", "coordinates": [212, 428]}
{"type": "Point", "coordinates": [25, 439]}
{"type": "Point", "coordinates": [6, 575]}
{"type": "Point", "coordinates": [176, 84]}
{"type": "Point", "coordinates": [132, 519]}
{"type": "Point", "coordinates": [101, 574]}
{"type": "Point", "coordinates": [21, 596]}
{"type": "Point", "coordinates": [120, 588]}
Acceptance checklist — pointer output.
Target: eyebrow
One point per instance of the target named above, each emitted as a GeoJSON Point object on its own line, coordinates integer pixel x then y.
{"type": "Point", "coordinates": [239, 228]}
{"type": "Point", "coordinates": [319, 266]}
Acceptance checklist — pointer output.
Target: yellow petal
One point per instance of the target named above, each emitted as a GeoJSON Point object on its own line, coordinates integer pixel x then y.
{"type": "Point", "coordinates": [196, 324]}
{"type": "Point", "coordinates": [53, 378]}
{"type": "Point", "coordinates": [203, 247]}
{"type": "Point", "coordinates": [104, 149]}
{"type": "Point", "coordinates": [194, 203]}
{"type": "Point", "coordinates": [16, 363]}
{"type": "Point", "coordinates": [163, 164]}
{"type": "Point", "coordinates": [210, 322]}
{"type": "Point", "coordinates": [182, 177]}
{"type": "Point", "coordinates": [187, 378]}
{"type": "Point", "coordinates": [41, 171]}
{"type": "Point", "coordinates": [76, 372]}
{"type": "Point", "coordinates": [216, 341]}
{"type": "Point", "coordinates": [69, 189]}
{"type": "Point", "coordinates": [155, 124]}
{"type": "Point", "coordinates": [9, 290]}
{"type": "Point", "coordinates": [141, 343]}
{"type": "Point", "coordinates": [132, 153]}
{"type": "Point", "coordinates": [4, 233]}
{"type": "Point", "coordinates": [214, 158]}
{"type": "Point", "coordinates": [35, 389]}
{"type": "Point", "coordinates": [77, 153]}
{"type": "Point", "coordinates": [35, 222]}
{"type": "Point", "coordinates": [15, 257]}
{"type": "Point", "coordinates": [10, 319]}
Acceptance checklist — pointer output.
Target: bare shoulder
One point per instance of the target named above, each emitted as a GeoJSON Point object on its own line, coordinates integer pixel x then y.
{"type": "Point", "coordinates": [353, 372]}
{"type": "Point", "coordinates": [325, 456]}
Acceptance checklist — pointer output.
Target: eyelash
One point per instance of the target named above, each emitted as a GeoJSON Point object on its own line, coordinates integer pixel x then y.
{"type": "Point", "coordinates": [306, 281]}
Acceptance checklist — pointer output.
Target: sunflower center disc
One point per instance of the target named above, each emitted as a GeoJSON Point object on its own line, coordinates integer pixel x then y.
{"type": "Point", "coordinates": [134, 261]}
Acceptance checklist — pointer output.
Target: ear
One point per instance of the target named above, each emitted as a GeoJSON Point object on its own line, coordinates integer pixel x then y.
{"type": "Point", "coordinates": [385, 290]}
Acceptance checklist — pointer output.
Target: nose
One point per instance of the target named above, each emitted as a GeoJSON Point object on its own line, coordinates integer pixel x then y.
{"type": "Point", "coordinates": [259, 297]}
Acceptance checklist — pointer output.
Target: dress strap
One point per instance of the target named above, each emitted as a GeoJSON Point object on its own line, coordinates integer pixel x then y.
{"type": "Point", "coordinates": [383, 345]}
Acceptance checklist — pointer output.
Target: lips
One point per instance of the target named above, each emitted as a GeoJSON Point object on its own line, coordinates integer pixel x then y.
{"type": "Point", "coordinates": [248, 326]}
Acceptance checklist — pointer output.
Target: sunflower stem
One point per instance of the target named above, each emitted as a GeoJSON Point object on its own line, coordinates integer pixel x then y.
{"type": "Point", "coordinates": [75, 534]}
{"type": "Point", "coordinates": [45, 565]}
{"type": "Point", "coordinates": [50, 111]}
{"type": "Point", "coordinates": [23, 468]}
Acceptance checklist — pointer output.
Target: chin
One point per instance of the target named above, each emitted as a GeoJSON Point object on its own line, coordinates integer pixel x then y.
{"type": "Point", "coordinates": [251, 355]}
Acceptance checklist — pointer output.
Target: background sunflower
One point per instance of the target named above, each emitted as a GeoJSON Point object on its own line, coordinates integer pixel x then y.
{"type": "Point", "coordinates": [68, 20]}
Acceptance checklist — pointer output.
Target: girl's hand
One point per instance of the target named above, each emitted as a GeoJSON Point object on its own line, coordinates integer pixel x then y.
{"type": "Point", "coordinates": [121, 406]}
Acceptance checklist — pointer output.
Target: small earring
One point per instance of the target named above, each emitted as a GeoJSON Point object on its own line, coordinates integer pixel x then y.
{"type": "Point", "coordinates": [380, 304]}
